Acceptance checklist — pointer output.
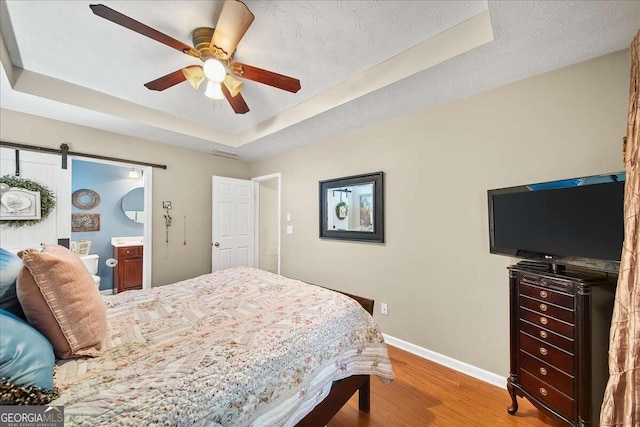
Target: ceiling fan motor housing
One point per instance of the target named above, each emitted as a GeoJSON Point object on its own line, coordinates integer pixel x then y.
{"type": "Point", "coordinates": [202, 41]}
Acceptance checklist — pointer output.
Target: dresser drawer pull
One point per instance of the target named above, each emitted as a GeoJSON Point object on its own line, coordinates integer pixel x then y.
{"type": "Point", "coordinates": [543, 307]}
{"type": "Point", "coordinates": [543, 351]}
{"type": "Point", "coordinates": [543, 371]}
{"type": "Point", "coordinates": [544, 320]}
{"type": "Point", "coordinates": [543, 334]}
{"type": "Point", "coordinates": [543, 294]}
{"type": "Point", "coordinates": [543, 391]}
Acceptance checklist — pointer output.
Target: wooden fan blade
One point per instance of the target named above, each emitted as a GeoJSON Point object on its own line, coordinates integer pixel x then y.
{"type": "Point", "coordinates": [123, 20]}
{"type": "Point", "coordinates": [236, 102]}
{"type": "Point", "coordinates": [165, 82]}
{"type": "Point", "coordinates": [265, 77]}
{"type": "Point", "coordinates": [235, 18]}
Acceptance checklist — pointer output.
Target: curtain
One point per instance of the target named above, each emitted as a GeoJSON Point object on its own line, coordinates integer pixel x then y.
{"type": "Point", "coordinates": [621, 404]}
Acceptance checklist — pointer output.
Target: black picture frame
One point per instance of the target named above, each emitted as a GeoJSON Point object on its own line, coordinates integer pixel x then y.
{"type": "Point", "coordinates": [343, 185]}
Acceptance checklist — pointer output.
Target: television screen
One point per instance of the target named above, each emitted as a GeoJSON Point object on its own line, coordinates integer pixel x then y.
{"type": "Point", "coordinates": [559, 220]}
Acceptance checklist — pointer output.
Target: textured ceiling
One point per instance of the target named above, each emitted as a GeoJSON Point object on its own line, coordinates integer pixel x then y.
{"type": "Point", "coordinates": [359, 62]}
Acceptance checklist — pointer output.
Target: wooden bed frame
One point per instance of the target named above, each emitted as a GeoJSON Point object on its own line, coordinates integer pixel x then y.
{"type": "Point", "coordinates": [342, 390]}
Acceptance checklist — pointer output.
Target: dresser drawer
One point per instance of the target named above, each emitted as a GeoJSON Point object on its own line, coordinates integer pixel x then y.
{"type": "Point", "coordinates": [548, 283]}
{"type": "Point", "coordinates": [547, 373]}
{"type": "Point", "coordinates": [548, 337]}
{"type": "Point", "coordinates": [549, 395]}
{"type": "Point", "coordinates": [547, 309]}
{"type": "Point", "coordinates": [549, 354]}
{"type": "Point", "coordinates": [547, 322]}
{"type": "Point", "coordinates": [547, 295]}
{"type": "Point", "coordinates": [129, 251]}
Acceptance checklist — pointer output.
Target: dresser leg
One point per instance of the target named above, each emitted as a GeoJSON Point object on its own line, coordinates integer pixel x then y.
{"type": "Point", "coordinates": [514, 402]}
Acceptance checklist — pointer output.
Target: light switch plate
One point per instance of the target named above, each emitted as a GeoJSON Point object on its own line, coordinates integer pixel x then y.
{"type": "Point", "coordinates": [289, 229]}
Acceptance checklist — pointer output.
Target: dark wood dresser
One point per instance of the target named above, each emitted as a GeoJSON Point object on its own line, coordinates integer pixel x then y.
{"type": "Point", "coordinates": [128, 274]}
{"type": "Point", "coordinates": [559, 325]}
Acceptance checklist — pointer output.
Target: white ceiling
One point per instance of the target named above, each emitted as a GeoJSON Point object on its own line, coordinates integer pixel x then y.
{"type": "Point", "coordinates": [359, 62]}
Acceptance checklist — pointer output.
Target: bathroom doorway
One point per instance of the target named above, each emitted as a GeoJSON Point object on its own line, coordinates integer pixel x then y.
{"type": "Point", "coordinates": [111, 201]}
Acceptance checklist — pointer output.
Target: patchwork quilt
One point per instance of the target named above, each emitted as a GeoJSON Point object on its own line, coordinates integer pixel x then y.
{"type": "Point", "coordinates": [238, 347]}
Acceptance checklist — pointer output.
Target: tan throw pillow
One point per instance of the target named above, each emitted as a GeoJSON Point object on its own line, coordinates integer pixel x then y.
{"type": "Point", "coordinates": [61, 300]}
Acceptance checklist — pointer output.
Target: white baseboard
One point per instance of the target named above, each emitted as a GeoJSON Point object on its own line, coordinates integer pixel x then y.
{"type": "Point", "coordinates": [449, 362]}
{"type": "Point", "coordinates": [106, 292]}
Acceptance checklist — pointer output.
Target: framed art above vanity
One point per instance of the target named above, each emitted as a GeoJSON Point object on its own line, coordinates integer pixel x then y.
{"type": "Point", "coordinates": [352, 208]}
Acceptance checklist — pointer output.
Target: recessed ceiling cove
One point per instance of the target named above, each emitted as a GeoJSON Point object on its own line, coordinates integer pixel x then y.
{"type": "Point", "coordinates": [357, 62]}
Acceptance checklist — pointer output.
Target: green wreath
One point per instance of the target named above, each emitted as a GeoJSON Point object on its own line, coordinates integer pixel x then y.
{"type": "Point", "coordinates": [342, 210]}
{"type": "Point", "coordinates": [47, 199]}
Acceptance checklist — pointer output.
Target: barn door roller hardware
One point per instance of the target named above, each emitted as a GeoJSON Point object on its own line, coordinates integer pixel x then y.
{"type": "Point", "coordinates": [65, 152]}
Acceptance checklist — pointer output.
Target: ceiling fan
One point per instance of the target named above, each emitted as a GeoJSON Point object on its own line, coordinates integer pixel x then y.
{"type": "Point", "coordinates": [215, 48]}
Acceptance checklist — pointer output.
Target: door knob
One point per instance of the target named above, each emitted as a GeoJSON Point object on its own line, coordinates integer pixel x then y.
{"type": "Point", "coordinates": [216, 244]}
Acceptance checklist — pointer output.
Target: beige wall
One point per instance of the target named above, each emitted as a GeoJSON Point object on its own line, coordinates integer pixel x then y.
{"type": "Point", "coordinates": [444, 290]}
{"type": "Point", "coordinates": [186, 183]}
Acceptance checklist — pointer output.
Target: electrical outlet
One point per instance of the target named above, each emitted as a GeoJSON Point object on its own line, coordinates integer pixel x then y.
{"type": "Point", "coordinates": [384, 309]}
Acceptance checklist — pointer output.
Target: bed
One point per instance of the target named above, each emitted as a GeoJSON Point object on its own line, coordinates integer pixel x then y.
{"type": "Point", "coordinates": [238, 347]}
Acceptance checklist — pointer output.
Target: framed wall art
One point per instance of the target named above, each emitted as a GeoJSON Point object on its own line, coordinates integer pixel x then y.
{"type": "Point", "coordinates": [20, 204]}
{"type": "Point", "coordinates": [352, 208]}
{"type": "Point", "coordinates": [85, 222]}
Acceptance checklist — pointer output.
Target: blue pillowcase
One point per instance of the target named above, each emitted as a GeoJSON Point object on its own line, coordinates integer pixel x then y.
{"type": "Point", "coordinates": [26, 356]}
{"type": "Point", "coordinates": [10, 266]}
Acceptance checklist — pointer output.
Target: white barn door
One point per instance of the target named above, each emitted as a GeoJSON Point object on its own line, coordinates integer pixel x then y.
{"type": "Point", "coordinates": [232, 223]}
{"type": "Point", "coordinates": [46, 170]}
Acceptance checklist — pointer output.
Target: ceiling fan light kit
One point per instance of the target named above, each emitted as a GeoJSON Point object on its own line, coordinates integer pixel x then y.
{"type": "Point", "coordinates": [234, 85]}
{"type": "Point", "coordinates": [194, 75]}
{"type": "Point", "coordinates": [214, 70]}
{"type": "Point", "coordinates": [215, 48]}
{"type": "Point", "coordinates": [214, 91]}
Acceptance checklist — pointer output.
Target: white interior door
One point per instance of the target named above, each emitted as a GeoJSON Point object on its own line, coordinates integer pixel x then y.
{"type": "Point", "coordinates": [45, 169]}
{"type": "Point", "coordinates": [233, 223]}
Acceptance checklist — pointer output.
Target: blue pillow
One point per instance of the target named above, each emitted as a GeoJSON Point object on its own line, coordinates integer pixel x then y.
{"type": "Point", "coordinates": [10, 266]}
{"type": "Point", "coordinates": [26, 356]}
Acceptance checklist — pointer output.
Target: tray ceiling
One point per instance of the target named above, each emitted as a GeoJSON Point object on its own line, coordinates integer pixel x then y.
{"type": "Point", "coordinates": [359, 62]}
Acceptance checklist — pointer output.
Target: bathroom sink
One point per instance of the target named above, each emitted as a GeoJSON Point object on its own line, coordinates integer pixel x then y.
{"type": "Point", "coordinates": [127, 241]}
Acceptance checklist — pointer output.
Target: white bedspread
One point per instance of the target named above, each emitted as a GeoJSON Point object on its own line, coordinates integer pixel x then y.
{"type": "Point", "coordinates": [238, 347]}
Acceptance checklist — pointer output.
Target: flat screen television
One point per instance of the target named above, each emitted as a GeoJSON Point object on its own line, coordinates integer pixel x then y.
{"type": "Point", "coordinates": [576, 221]}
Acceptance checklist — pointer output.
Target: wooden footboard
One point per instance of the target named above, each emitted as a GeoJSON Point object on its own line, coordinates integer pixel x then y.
{"type": "Point", "coordinates": [340, 393]}
{"type": "Point", "coordinates": [342, 390]}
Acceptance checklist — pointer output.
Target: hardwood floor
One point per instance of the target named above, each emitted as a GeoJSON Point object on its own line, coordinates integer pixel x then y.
{"type": "Point", "coordinates": [427, 394]}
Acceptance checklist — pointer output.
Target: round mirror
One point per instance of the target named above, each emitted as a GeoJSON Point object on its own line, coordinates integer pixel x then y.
{"type": "Point", "coordinates": [85, 199]}
{"type": "Point", "coordinates": [133, 205]}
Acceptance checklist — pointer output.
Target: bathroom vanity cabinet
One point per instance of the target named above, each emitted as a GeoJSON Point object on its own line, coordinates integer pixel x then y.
{"type": "Point", "coordinates": [128, 274]}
